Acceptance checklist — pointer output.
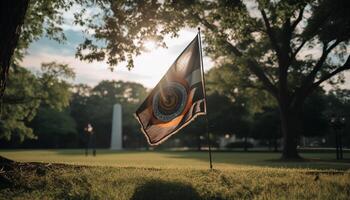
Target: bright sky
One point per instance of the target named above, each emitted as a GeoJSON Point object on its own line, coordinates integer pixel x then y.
{"type": "Point", "coordinates": [149, 67]}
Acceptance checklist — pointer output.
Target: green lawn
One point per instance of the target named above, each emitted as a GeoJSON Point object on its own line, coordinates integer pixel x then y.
{"type": "Point", "coordinates": [172, 175]}
{"type": "Point", "coordinates": [172, 159]}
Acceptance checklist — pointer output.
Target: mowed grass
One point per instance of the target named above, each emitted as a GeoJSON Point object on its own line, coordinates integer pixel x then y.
{"type": "Point", "coordinates": [177, 159]}
{"type": "Point", "coordinates": [173, 175]}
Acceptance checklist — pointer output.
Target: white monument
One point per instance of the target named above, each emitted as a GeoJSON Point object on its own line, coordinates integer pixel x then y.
{"type": "Point", "coordinates": [116, 136]}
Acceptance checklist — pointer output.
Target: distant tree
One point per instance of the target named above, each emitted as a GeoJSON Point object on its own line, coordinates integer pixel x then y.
{"type": "Point", "coordinates": [267, 126]}
{"type": "Point", "coordinates": [95, 105]}
{"type": "Point", "coordinates": [53, 129]}
{"type": "Point", "coordinates": [194, 135]}
{"type": "Point", "coordinates": [314, 120]}
{"type": "Point", "coordinates": [338, 104]}
{"type": "Point", "coordinates": [227, 118]}
{"type": "Point", "coordinates": [27, 92]}
{"type": "Point", "coordinates": [79, 109]}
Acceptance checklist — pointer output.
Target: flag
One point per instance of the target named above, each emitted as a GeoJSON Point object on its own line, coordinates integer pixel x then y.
{"type": "Point", "coordinates": [177, 99]}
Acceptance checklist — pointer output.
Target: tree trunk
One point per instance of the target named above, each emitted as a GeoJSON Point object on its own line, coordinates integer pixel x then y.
{"type": "Point", "coordinates": [12, 16]}
{"type": "Point", "coordinates": [291, 125]}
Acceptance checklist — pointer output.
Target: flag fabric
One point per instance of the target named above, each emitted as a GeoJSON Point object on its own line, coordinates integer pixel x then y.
{"type": "Point", "coordinates": [177, 99]}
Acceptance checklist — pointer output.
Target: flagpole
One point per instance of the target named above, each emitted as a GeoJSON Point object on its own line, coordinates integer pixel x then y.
{"type": "Point", "coordinates": [205, 95]}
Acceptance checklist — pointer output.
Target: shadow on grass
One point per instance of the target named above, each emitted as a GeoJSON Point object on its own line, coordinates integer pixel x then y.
{"type": "Point", "coordinates": [159, 189]}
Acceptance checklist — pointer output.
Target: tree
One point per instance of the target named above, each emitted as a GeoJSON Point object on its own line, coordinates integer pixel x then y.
{"type": "Point", "coordinates": [270, 38]}
{"type": "Point", "coordinates": [27, 92]}
{"type": "Point", "coordinates": [24, 21]}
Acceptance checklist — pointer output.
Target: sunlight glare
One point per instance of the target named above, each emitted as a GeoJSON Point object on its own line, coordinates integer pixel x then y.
{"type": "Point", "coordinates": [150, 45]}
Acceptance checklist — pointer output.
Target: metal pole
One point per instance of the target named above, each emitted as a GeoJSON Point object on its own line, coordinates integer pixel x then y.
{"type": "Point", "coordinates": [337, 143]}
{"type": "Point", "coordinates": [340, 146]}
{"type": "Point", "coordinates": [205, 95]}
{"type": "Point", "coordinates": [209, 146]}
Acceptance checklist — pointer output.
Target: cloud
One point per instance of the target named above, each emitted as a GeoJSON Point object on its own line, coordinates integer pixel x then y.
{"type": "Point", "coordinates": [87, 73]}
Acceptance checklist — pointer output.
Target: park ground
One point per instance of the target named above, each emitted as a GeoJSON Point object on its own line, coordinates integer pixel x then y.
{"type": "Point", "coordinates": [69, 174]}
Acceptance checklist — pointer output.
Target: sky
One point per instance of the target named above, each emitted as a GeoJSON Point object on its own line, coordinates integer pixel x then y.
{"type": "Point", "coordinates": [149, 66]}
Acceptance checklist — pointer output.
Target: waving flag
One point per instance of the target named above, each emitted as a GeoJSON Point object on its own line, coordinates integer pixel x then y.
{"type": "Point", "coordinates": [177, 99]}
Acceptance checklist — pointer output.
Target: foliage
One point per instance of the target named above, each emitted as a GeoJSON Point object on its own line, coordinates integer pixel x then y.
{"type": "Point", "coordinates": [229, 28]}
{"type": "Point", "coordinates": [267, 125]}
{"type": "Point", "coordinates": [95, 106]}
{"type": "Point", "coordinates": [43, 18]}
{"type": "Point", "coordinates": [229, 80]}
{"type": "Point", "coordinates": [315, 119]}
{"type": "Point", "coordinates": [120, 29]}
{"type": "Point", "coordinates": [27, 92]}
{"type": "Point", "coordinates": [18, 104]}
{"type": "Point", "coordinates": [53, 128]}
{"type": "Point", "coordinates": [338, 105]}
{"type": "Point", "coordinates": [231, 117]}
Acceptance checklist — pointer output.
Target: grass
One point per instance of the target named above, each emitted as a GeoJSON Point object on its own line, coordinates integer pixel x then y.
{"type": "Point", "coordinates": [173, 159]}
{"type": "Point", "coordinates": [172, 175]}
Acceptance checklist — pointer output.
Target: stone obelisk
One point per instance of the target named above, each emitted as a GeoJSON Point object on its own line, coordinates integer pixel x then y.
{"type": "Point", "coordinates": [116, 136]}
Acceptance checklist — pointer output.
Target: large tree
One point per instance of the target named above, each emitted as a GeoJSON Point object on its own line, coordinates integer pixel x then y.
{"type": "Point", "coordinates": [25, 21]}
{"type": "Point", "coordinates": [289, 47]}
{"type": "Point", "coordinates": [12, 15]}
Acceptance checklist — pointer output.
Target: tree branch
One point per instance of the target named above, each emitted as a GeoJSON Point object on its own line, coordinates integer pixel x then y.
{"type": "Point", "coordinates": [214, 28]}
{"type": "Point", "coordinates": [251, 63]}
{"type": "Point", "coordinates": [307, 84]}
{"type": "Point", "coordinates": [298, 19]}
{"type": "Point", "coordinates": [270, 33]}
{"type": "Point", "coordinates": [294, 54]}
{"type": "Point", "coordinates": [257, 70]}
{"type": "Point", "coordinates": [326, 50]}
{"type": "Point", "coordinates": [344, 67]}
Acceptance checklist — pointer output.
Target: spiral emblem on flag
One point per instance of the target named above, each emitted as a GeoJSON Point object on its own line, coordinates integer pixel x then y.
{"type": "Point", "coordinates": [169, 101]}
{"type": "Point", "coordinates": [177, 99]}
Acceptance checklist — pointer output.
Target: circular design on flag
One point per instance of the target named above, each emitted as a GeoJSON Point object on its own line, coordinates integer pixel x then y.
{"type": "Point", "coordinates": [169, 101]}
